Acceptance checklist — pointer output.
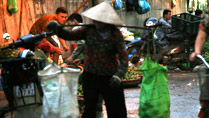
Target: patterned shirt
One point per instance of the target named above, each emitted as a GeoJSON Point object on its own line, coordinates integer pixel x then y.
{"type": "Point", "coordinates": [204, 25]}
{"type": "Point", "coordinates": [105, 57]}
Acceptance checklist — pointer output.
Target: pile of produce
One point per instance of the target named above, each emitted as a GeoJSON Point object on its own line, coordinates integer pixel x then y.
{"type": "Point", "coordinates": [132, 73]}
{"type": "Point", "coordinates": [8, 53]}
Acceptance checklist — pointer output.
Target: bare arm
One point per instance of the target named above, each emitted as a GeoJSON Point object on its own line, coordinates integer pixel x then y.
{"type": "Point", "coordinates": [200, 40]}
{"type": "Point", "coordinates": [62, 41]}
{"type": "Point", "coordinates": [55, 49]}
{"type": "Point", "coordinates": [199, 43]}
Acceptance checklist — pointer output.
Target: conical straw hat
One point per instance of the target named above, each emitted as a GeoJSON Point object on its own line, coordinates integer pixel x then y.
{"type": "Point", "coordinates": [103, 12]}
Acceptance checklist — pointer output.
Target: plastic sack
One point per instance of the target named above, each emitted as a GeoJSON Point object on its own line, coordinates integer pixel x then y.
{"type": "Point", "coordinates": [118, 4]}
{"type": "Point", "coordinates": [142, 7]}
{"type": "Point", "coordinates": [125, 32]}
{"type": "Point", "coordinates": [127, 35]}
{"type": "Point", "coordinates": [60, 92]}
{"type": "Point", "coordinates": [12, 6]}
{"type": "Point", "coordinates": [154, 95]}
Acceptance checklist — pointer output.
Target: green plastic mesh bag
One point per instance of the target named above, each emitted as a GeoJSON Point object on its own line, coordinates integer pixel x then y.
{"type": "Point", "coordinates": [154, 95]}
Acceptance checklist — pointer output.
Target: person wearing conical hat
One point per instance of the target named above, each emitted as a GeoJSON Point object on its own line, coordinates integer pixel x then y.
{"type": "Point", "coordinates": [105, 60]}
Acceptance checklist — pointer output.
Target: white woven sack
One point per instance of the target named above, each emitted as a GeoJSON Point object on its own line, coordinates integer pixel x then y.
{"type": "Point", "coordinates": [60, 92]}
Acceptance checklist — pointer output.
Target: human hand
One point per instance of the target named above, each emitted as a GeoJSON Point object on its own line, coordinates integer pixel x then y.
{"type": "Point", "coordinates": [77, 61]}
{"type": "Point", "coordinates": [69, 60]}
{"type": "Point", "coordinates": [58, 50]}
{"type": "Point", "coordinates": [66, 48]}
{"type": "Point", "coordinates": [193, 56]}
{"type": "Point", "coordinates": [115, 81]}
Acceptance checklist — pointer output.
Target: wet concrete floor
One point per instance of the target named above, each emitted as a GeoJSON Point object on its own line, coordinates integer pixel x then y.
{"type": "Point", "coordinates": [184, 96]}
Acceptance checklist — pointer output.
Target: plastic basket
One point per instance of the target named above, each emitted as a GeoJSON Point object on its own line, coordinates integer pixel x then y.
{"type": "Point", "coordinates": [186, 23]}
{"type": "Point", "coordinates": [203, 75]}
{"type": "Point", "coordinates": [20, 72]}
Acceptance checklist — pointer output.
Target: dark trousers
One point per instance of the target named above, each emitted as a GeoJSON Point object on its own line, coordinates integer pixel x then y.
{"type": "Point", "coordinates": [93, 86]}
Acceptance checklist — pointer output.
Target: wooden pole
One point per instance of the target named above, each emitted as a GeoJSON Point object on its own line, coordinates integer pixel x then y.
{"type": "Point", "coordinates": [128, 26]}
{"type": "Point", "coordinates": [193, 7]}
{"type": "Point", "coordinates": [20, 26]}
{"type": "Point", "coordinates": [80, 6]}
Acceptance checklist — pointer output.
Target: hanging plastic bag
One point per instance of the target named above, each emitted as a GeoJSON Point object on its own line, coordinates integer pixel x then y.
{"type": "Point", "coordinates": [154, 95]}
{"type": "Point", "coordinates": [173, 3]}
{"type": "Point", "coordinates": [118, 4]}
{"type": "Point", "coordinates": [60, 92]}
{"type": "Point", "coordinates": [142, 7]}
{"type": "Point", "coordinates": [12, 6]}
